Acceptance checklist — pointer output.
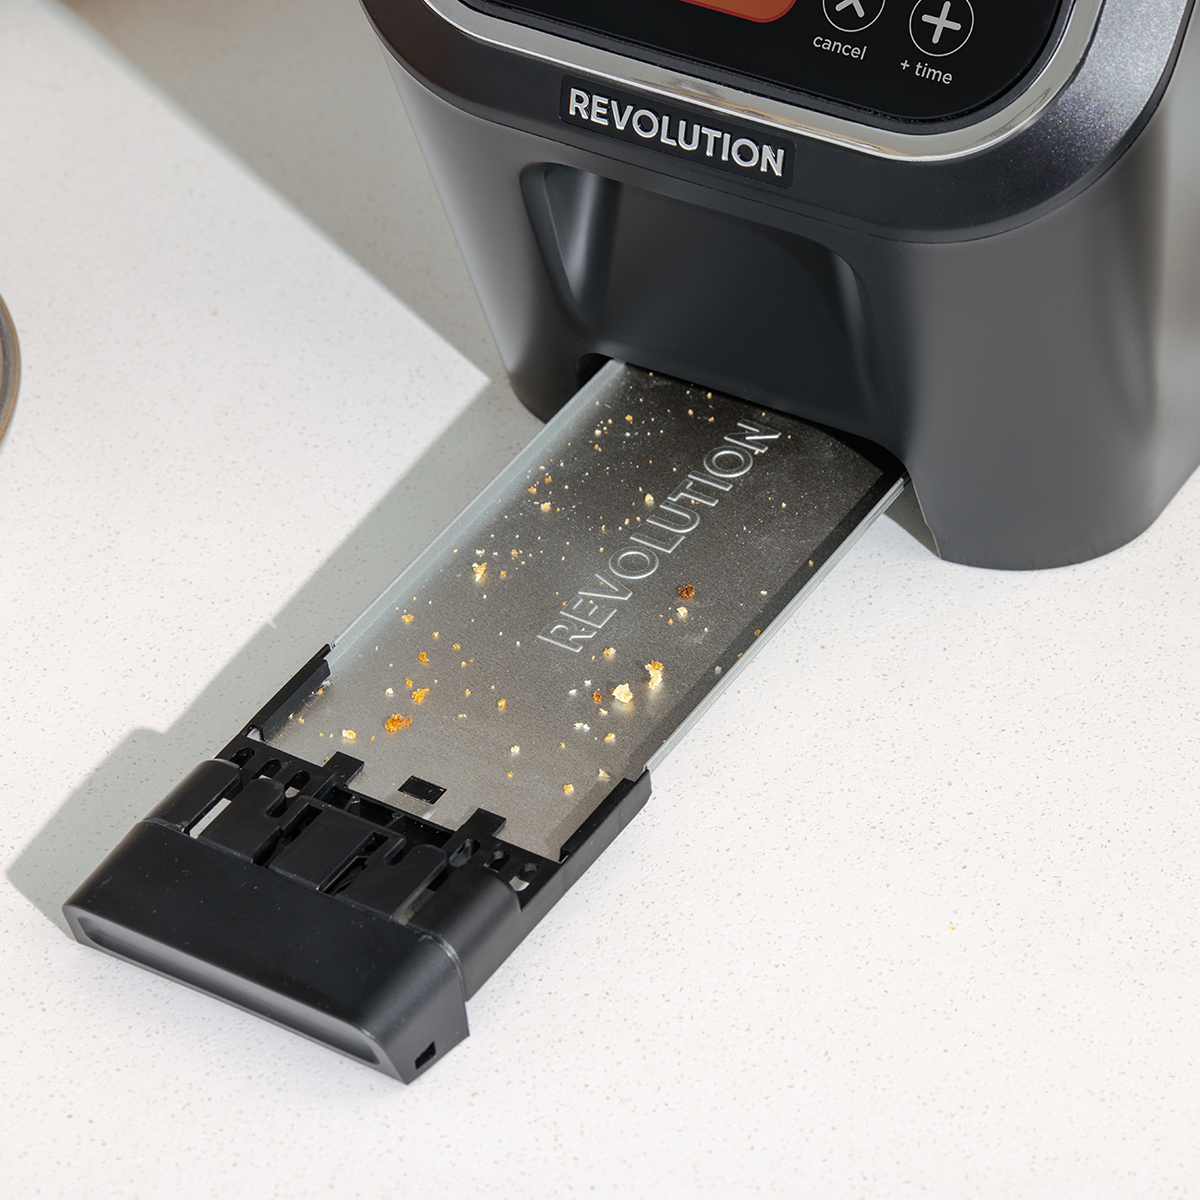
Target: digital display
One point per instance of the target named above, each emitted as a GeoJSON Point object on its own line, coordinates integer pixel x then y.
{"type": "Point", "coordinates": [752, 10]}
{"type": "Point", "coordinates": [926, 60]}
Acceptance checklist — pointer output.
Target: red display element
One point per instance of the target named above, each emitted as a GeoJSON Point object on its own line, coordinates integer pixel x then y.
{"type": "Point", "coordinates": [752, 10]}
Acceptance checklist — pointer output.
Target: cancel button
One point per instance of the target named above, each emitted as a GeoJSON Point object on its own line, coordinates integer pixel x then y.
{"type": "Point", "coordinates": [845, 49]}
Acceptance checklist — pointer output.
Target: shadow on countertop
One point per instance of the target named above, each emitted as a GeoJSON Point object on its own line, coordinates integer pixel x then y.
{"type": "Point", "coordinates": [147, 764]}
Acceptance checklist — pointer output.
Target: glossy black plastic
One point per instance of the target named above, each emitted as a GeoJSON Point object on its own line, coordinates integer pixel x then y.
{"type": "Point", "coordinates": [882, 57]}
{"type": "Point", "coordinates": [330, 913]}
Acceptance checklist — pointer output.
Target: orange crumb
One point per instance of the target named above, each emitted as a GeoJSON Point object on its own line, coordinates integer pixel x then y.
{"type": "Point", "coordinates": [420, 695]}
{"type": "Point", "coordinates": [396, 721]}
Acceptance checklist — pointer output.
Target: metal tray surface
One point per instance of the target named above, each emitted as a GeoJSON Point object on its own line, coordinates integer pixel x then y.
{"type": "Point", "coordinates": [582, 611]}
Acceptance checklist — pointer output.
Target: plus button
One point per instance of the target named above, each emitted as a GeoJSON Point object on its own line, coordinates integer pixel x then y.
{"type": "Point", "coordinates": [941, 22]}
{"type": "Point", "coordinates": [941, 27]}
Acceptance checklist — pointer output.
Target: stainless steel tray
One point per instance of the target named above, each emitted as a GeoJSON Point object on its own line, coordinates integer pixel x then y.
{"type": "Point", "coordinates": [579, 615]}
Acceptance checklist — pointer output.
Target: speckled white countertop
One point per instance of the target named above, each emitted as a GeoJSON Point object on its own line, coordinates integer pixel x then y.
{"type": "Point", "coordinates": [912, 913]}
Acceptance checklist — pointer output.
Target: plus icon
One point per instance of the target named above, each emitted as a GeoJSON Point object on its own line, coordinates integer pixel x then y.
{"type": "Point", "coordinates": [940, 27]}
{"type": "Point", "coordinates": [941, 22]}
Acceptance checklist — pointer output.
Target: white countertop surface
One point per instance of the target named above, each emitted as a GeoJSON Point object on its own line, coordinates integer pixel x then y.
{"type": "Point", "coordinates": [912, 913]}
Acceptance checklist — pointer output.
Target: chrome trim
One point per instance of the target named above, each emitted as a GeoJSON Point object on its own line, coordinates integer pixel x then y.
{"type": "Point", "coordinates": [1023, 110]}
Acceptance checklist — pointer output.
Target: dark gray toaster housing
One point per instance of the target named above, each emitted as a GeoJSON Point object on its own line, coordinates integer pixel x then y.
{"type": "Point", "coordinates": [968, 232]}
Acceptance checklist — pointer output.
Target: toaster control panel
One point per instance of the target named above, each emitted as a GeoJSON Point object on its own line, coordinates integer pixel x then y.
{"type": "Point", "coordinates": [911, 60]}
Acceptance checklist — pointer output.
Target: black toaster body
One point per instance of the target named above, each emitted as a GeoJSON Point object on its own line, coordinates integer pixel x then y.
{"type": "Point", "coordinates": [980, 252]}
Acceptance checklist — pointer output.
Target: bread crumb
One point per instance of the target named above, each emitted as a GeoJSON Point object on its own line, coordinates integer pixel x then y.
{"type": "Point", "coordinates": [599, 699]}
{"type": "Point", "coordinates": [532, 490]}
{"type": "Point", "coordinates": [681, 613]}
{"type": "Point", "coordinates": [649, 500]}
{"type": "Point", "coordinates": [510, 775]}
{"type": "Point", "coordinates": [687, 592]}
{"type": "Point", "coordinates": [501, 703]}
{"type": "Point", "coordinates": [515, 750]}
{"type": "Point", "coordinates": [349, 735]}
{"type": "Point", "coordinates": [420, 695]}
{"type": "Point", "coordinates": [503, 574]}
{"type": "Point", "coordinates": [603, 774]}
{"type": "Point", "coordinates": [610, 737]}
{"type": "Point", "coordinates": [467, 692]}
{"type": "Point", "coordinates": [581, 725]}
{"type": "Point", "coordinates": [396, 721]}
{"type": "Point", "coordinates": [480, 570]}
{"type": "Point", "coordinates": [655, 670]}
{"type": "Point", "coordinates": [435, 635]}
{"type": "Point", "coordinates": [407, 618]}
{"type": "Point", "coordinates": [604, 712]}
{"type": "Point", "coordinates": [623, 693]}
{"type": "Point", "coordinates": [609, 652]}
{"type": "Point", "coordinates": [629, 418]}
{"type": "Point", "coordinates": [568, 788]}
{"type": "Point", "coordinates": [457, 646]}
{"type": "Point", "coordinates": [389, 692]}
{"type": "Point", "coordinates": [545, 506]}
{"type": "Point", "coordinates": [423, 656]}
{"type": "Point", "coordinates": [408, 683]}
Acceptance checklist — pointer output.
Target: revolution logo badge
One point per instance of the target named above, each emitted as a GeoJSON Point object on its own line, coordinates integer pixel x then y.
{"type": "Point", "coordinates": [733, 148]}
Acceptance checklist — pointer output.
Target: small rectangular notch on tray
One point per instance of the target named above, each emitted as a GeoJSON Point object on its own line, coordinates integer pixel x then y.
{"type": "Point", "coordinates": [422, 789]}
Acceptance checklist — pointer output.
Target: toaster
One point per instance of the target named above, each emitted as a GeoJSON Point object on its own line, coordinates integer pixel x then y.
{"type": "Point", "coordinates": [966, 230]}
